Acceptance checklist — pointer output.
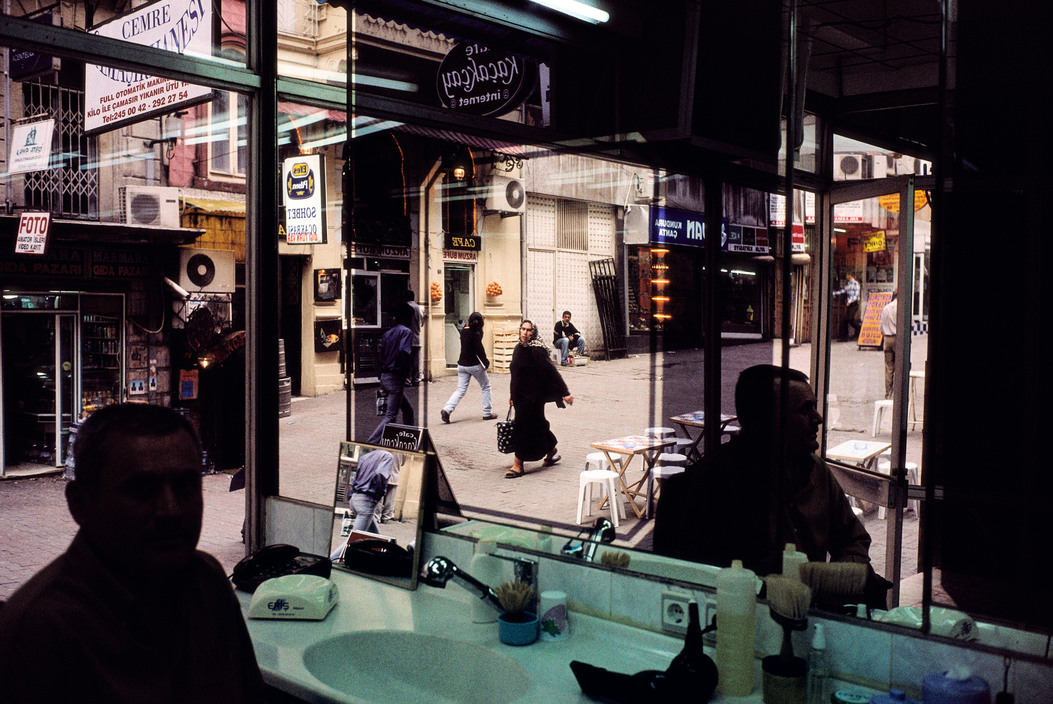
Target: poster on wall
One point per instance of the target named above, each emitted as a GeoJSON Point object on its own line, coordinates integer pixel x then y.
{"type": "Point", "coordinates": [114, 96]}
{"type": "Point", "coordinates": [303, 192]}
{"type": "Point", "coordinates": [870, 330]}
{"type": "Point", "coordinates": [30, 146]}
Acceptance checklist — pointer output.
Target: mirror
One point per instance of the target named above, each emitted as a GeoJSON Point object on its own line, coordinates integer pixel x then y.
{"type": "Point", "coordinates": [380, 544]}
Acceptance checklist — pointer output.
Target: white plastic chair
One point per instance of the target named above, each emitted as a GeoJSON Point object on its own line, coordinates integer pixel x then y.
{"type": "Point", "coordinates": [606, 479]}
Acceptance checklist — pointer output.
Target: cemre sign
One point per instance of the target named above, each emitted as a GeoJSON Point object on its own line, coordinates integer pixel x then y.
{"type": "Point", "coordinates": [115, 97]}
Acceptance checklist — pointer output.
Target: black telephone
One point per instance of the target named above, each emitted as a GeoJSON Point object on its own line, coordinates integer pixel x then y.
{"type": "Point", "coordinates": [275, 561]}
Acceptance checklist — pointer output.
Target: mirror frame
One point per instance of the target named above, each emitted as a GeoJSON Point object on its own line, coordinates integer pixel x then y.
{"type": "Point", "coordinates": [415, 470]}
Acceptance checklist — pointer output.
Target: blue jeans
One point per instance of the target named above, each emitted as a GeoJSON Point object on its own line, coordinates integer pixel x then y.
{"type": "Point", "coordinates": [364, 507]}
{"type": "Point", "coordinates": [464, 374]}
{"type": "Point", "coordinates": [563, 345]}
{"type": "Point", "coordinates": [395, 385]}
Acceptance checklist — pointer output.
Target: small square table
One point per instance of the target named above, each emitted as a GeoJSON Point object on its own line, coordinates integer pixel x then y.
{"type": "Point", "coordinates": [861, 453]}
{"type": "Point", "coordinates": [697, 419]}
{"type": "Point", "coordinates": [632, 445]}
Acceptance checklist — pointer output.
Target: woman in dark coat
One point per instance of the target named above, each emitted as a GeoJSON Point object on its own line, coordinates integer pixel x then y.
{"type": "Point", "coordinates": [535, 382]}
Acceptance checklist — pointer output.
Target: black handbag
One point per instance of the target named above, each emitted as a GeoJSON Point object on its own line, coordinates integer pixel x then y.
{"type": "Point", "coordinates": [504, 433]}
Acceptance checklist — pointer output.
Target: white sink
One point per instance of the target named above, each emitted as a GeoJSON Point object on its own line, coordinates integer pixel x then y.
{"type": "Point", "coordinates": [389, 667]}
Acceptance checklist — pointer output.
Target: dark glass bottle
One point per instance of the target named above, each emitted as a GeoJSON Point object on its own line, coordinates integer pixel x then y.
{"type": "Point", "coordinates": [693, 673]}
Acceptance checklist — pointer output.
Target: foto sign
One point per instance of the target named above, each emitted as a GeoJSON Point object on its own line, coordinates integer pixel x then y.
{"type": "Point", "coordinates": [303, 187]}
{"type": "Point", "coordinates": [115, 96]}
{"type": "Point", "coordinates": [33, 231]}
{"type": "Point", "coordinates": [30, 146]}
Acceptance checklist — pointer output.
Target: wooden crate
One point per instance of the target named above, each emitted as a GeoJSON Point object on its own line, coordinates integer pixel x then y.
{"type": "Point", "coordinates": [504, 345]}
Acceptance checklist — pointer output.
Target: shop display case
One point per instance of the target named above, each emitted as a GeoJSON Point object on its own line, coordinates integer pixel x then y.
{"type": "Point", "coordinates": [101, 347]}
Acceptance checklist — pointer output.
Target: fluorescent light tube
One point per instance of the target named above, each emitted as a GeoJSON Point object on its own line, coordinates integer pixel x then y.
{"type": "Point", "coordinates": [576, 9]}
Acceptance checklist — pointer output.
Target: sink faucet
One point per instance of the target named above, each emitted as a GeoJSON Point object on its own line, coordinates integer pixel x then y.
{"type": "Point", "coordinates": [524, 570]}
{"type": "Point", "coordinates": [602, 533]}
{"type": "Point", "coordinates": [439, 570]}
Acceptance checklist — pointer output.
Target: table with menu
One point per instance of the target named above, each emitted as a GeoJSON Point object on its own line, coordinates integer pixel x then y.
{"type": "Point", "coordinates": [630, 446]}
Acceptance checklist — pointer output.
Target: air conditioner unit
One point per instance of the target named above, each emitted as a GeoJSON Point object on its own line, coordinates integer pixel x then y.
{"type": "Point", "coordinates": [210, 270]}
{"type": "Point", "coordinates": [157, 206]}
{"type": "Point", "coordinates": [506, 195]}
{"type": "Point", "coordinates": [849, 167]}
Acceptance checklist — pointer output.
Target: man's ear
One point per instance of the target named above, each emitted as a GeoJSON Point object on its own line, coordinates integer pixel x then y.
{"type": "Point", "coordinates": [77, 501]}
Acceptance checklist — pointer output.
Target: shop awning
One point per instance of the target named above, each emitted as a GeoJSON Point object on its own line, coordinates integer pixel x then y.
{"type": "Point", "coordinates": [216, 206]}
{"type": "Point", "coordinates": [470, 140]}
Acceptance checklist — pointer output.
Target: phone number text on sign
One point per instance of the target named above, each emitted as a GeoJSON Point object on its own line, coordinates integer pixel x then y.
{"type": "Point", "coordinates": [33, 229]}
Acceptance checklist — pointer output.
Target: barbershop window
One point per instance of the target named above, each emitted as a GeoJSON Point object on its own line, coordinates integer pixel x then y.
{"type": "Point", "coordinates": [228, 134]}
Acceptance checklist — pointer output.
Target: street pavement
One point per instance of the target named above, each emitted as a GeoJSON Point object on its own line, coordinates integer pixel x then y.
{"type": "Point", "coordinates": [611, 398]}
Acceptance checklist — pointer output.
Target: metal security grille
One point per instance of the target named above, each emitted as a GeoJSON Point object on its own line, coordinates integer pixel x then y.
{"type": "Point", "coordinates": [572, 226]}
{"type": "Point", "coordinates": [71, 186]}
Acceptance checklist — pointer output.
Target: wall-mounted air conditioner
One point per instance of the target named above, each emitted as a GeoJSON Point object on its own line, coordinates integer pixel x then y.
{"type": "Point", "coordinates": [210, 270]}
{"type": "Point", "coordinates": [156, 206]}
{"type": "Point", "coordinates": [506, 195]}
{"type": "Point", "coordinates": [849, 167]}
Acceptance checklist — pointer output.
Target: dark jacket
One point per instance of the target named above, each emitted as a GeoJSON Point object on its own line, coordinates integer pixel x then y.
{"type": "Point", "coordinates": [562, 330]}
{"type": "Point", "coordinates": [396, 349]}
{"type": "Point", "coordinates": [535, 378]}
{"type": "Point", "coordinates": [724, 508]}
{"type": "Point", "coordinates": [472, 352]}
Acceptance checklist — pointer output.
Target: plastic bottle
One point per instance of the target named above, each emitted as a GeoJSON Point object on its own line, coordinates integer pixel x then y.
{"type": "Point", "coordinates": [792, 561]}
{"type": "Point", "coordinates": [817, 669]}
{"type": "Point", "coordinates": [736, 621]}
{"type": "Point", "coordinates": [487, 569]}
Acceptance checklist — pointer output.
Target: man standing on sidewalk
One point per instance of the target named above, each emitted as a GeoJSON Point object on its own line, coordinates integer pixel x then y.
{"type": "Point", "coordinates": [888, 333]}
{"type": "Point", "coordinates": [416, 321]}
{"type": "Point", "coordinates": [396, 354]}
{"type": "Point", "coordinates": [851, 293]}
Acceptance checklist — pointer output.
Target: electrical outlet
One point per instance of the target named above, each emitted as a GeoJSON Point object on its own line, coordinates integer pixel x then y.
{"type": "Point", "coordinates": [674, 612]}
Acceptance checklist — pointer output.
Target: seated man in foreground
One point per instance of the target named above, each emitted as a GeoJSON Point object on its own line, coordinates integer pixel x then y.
{"type": "Point", "coordinates": [748, 498]}
{"type": "Point", "coordinates": [131, 612]}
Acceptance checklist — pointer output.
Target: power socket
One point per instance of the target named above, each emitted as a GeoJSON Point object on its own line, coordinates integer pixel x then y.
{"type": "Point", "coordinates": [674, 612]}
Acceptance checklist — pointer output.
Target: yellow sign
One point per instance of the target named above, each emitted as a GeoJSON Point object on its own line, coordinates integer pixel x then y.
{"type": "Point", "coordinates": [870, 330]}
{"type": "Point", "coordinates": [874, 242]}
{"type": "Point", "coordinates": [891, 202]}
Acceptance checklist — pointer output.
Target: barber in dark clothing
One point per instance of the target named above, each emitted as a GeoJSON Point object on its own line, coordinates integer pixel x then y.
{"type": "Point", "coordinates": [749, 497]}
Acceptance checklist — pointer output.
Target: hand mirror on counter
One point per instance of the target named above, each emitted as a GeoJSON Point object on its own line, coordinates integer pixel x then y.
{"type": "Point", "coordinates": [385, 551]}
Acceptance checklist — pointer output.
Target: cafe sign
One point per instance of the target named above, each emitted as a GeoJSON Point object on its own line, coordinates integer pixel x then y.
{"type": "Point", "coordinates": [482, 81]}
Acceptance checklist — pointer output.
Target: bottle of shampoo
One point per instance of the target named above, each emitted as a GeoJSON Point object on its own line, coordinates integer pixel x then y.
{"type": "Point", "coordinates": [792, 561]}
{"type": "Point", "coordinates": [817, 668]}
{"type": "Point", "coordinates": [736, 621]}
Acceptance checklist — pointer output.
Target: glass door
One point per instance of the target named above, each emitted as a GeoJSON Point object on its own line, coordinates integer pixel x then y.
{"type": "Point", "coordinates": [458, 306]}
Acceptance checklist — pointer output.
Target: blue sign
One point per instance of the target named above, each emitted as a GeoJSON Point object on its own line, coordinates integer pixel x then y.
{"type": "Point", "coordinates": [675, 226]}
{"type": "Point", "coordinates": [688, 228]}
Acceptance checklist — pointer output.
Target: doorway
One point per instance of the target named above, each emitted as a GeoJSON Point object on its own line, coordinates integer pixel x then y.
{"type": "Point", "coordinates": [457, 293]}
{"type": "Point", "coordinates": [39, 388]}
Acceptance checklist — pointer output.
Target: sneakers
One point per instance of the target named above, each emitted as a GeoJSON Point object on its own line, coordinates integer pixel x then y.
{"type": "Point", "coordinates": [490, 416]}
{"type": "Point", "coordinates": [445, 416]}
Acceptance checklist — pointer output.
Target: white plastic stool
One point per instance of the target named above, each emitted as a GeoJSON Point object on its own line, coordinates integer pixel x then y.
{"type": "Point", "coordinates": [606, 479]}
{"type": "Point", "coordinates": [913, 477]}
{"type": "Point", "coordinates": [879, 412]}
{"type": "Point", "coordinates": [672, 459]}
{"type": "Point", "coordinates": [683, 444]}
{"type": "Point", "coordinates": [598, 460]}
{"type": "Point", "coordinates": [659, 432]}
{"type": "Point", "coordinates": [660, 473]}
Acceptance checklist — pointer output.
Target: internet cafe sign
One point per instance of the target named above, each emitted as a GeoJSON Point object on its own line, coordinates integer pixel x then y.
{"type": "Point", "coordinates": [483, 81]}
{"type": "Point", "coordinates": [115, 96]}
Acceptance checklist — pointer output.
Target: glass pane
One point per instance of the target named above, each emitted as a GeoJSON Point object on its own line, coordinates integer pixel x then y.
{"type": "Point", "coordinates": [312, 41]}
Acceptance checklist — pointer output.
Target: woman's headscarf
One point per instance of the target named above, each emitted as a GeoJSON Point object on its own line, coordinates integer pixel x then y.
{"type": "Point", "coordinates": [533, 341]}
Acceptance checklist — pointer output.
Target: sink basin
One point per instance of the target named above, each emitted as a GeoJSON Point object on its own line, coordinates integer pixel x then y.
{"type": "Point", "coordinates": [400, 666]}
